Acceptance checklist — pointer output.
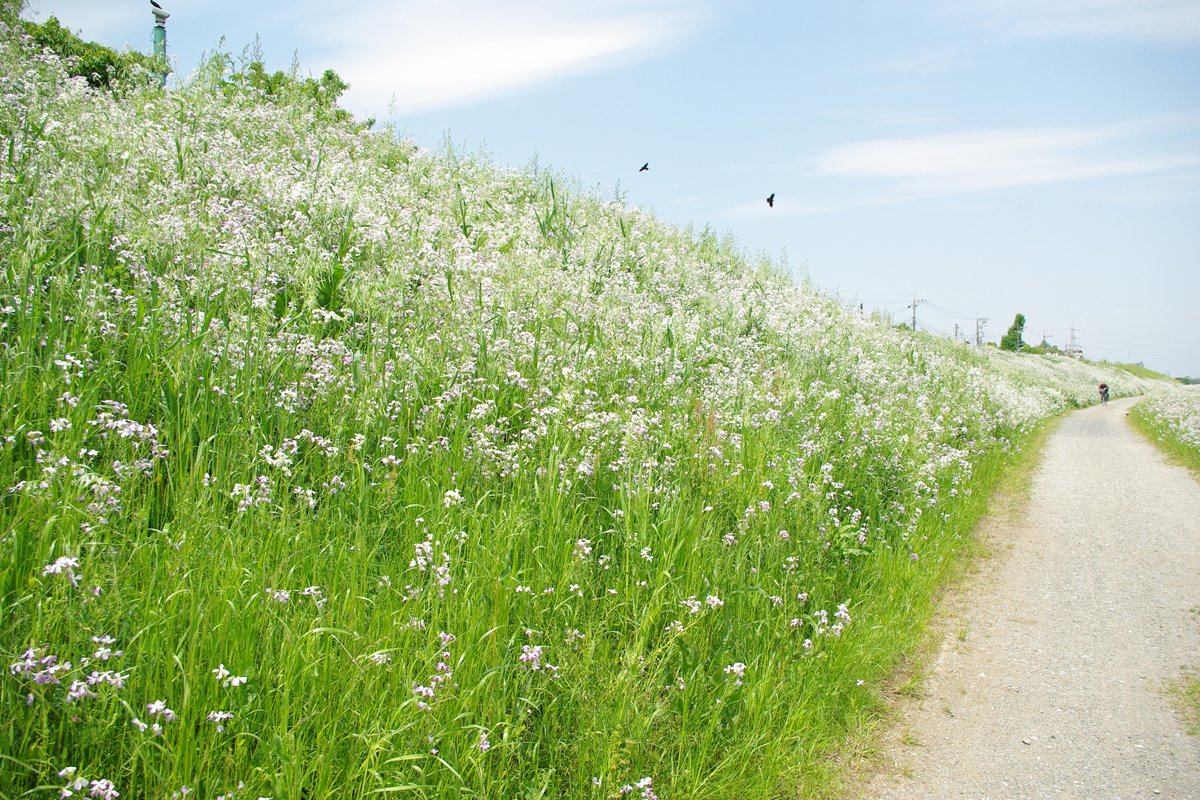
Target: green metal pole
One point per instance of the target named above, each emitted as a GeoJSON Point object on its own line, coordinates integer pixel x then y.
{"type": "Point", "coordinates": [160, 42]}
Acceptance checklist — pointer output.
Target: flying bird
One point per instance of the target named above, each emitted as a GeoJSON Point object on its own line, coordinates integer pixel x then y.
{"type": "Point", "coordinates": [771, 200]}
{"type": "Point", "coordinates": [645, 167]}
{"type": "Point", "coordinates": [156, 5]}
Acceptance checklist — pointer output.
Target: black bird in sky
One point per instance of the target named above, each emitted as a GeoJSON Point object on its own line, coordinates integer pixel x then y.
{"type": "Point", "coordinates": [645, 167]}
{"type": "Point", "coordinates": [771, 200]}
{"type": "Point", "coordinates": [156, 5]}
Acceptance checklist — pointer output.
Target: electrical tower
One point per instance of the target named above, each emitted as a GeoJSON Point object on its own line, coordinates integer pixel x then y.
{"type": "Point", "coordinates": [1073, 348]}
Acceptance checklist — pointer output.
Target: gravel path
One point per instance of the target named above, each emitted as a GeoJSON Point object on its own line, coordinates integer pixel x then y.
{"type": "Point", "coordinates": [1090, 606]}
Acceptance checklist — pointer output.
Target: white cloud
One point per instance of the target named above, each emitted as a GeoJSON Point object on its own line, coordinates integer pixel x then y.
{"type": "Point", "coordinates": [1173, 21]}
{"type": "Point", "coordinates": [976, 161]}
{"type": "Point", "coordinates": [428, 54]}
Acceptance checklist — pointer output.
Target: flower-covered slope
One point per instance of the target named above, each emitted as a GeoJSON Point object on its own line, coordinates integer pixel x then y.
{"type": "Point", "coordinates": [479, 484]}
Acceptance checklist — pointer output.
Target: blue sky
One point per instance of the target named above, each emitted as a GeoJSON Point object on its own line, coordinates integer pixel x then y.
{"type": "Point", "coordinates": [989, 156]}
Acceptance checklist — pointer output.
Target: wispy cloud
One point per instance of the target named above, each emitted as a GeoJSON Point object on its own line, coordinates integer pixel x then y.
{"type": "Point", "coordinates": [1174, 21]}
{"type": "Point", "coordinates": [883, 172]}
{"type": "Point", "coordinates": [983, 160]}
{"type": "Point", "coordinates": [425, 54]}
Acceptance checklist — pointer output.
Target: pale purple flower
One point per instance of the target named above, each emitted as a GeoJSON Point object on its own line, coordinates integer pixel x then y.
{"type": "Point", "coordinates": [279, 595]}
{"type": "Point", "coordinates": [738, 670]}
{"type": "Point", "coordinates": [63, 565]}
{"type": "Point", "coordinates": [103, 790]}
{"type": "Point", "coordinates": [531, 657]}
{"type": "Point", "coordinates": [219, 718]}
{"type": "Point", "coordinates": [714, 601]}
{"type": "Point", "coordinates": [79, 691]}
{"type": "Point", "coordinates": [159, 708]}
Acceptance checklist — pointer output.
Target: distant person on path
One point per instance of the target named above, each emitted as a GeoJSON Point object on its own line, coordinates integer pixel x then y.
{"type": "Point", "coordinates": [1104, 394]}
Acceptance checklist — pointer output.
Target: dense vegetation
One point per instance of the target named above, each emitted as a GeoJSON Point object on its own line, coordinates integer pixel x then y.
{"type": "Point", "coordinates": [1171, 419]}
{"type": "Point", "coordinates": [333, 466]}
{"type": "Point", "coordinates": [102, 67]}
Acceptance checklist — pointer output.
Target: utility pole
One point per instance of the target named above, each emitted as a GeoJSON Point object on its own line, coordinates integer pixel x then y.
{"type": "Point", "coordinates": [159, 33]}
{"type": "Point", "coordinates": [979, 323]}
{"type": "Point", "coordinates": [956, 331]}
{"type": "Point", "coordinates": [914, 308]}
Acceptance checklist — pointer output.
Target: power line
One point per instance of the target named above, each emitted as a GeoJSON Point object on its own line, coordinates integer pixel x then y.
{"type": "Point", "coordinates": [948, 313]}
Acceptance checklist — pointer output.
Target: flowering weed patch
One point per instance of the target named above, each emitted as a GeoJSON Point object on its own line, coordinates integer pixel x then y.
{"type": "Point", "coordinates": [1171, 419]}
{"type": "Point", "coordinates": [332, 466]}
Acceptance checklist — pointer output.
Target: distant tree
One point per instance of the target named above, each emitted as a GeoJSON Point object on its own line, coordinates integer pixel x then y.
{"type": "Point", "coordinates": [1012, 339]}
{"type": "Point", "coordinates": [1042, 349]}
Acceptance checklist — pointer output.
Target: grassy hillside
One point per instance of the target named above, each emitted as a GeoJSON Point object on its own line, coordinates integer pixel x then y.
{"type": "Point", "coordinates": [1171, 419]}
{"type": "Point", "coordinates": [334, 466]}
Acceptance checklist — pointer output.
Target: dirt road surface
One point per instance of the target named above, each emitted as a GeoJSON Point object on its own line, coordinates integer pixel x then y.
{"type": "Point", "coordinates": [1050, 681]}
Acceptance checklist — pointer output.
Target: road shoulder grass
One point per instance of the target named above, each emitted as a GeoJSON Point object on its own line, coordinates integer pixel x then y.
{"type": "Point", "coordinates": [1160, 435]}
{"type": "Point", "coordinates": [1184, 691]}
{"type": "Point", "coordinates": [879, 745]}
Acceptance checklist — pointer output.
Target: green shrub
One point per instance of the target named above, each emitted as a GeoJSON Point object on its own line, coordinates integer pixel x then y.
{"type": "Point", "coordinates": [103, 67]}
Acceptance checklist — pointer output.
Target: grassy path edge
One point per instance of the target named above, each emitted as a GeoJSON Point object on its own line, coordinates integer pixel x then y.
{"type": "Point", "coordinates": [1160, 436]}
{"type": "Point", "coordinates": [1185, 692]}
{"type": "Point", "coordinates": [864, 751]}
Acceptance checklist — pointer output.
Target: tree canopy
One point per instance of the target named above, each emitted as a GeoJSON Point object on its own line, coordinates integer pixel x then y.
{"type": "Point", "coordinates": [103, 67]}
{"type": "Point", "coordinates": [1012, 339]}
